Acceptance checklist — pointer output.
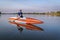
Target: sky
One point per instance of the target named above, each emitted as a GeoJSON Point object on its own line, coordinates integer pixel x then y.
{"type": "Point", "coordinates": [12, 6]}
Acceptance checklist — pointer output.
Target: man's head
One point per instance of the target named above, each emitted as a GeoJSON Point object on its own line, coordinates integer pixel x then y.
{"type": "Point", "coordinates": [20, 10]}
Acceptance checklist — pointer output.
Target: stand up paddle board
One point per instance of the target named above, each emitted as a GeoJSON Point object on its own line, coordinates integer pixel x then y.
{"type": "Point", "coordinates": [25, 20]}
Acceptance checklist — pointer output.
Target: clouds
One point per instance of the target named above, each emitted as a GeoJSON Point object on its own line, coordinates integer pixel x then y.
{"type": "Point", "coordinates": [30, 5]}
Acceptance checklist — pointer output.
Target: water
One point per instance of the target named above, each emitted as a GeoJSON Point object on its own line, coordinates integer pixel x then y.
{"type": "Point", "coordinates": [51, 28]}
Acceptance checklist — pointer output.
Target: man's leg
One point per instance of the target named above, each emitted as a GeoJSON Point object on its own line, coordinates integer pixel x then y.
{"type": "Point", "coordinates": [21, 16]}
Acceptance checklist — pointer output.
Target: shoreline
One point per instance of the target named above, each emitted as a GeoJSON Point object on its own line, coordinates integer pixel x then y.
{"type": "Point", "coordinates": [52, 14]}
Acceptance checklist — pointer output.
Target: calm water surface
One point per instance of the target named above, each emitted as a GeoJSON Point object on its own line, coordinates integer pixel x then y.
{"type": "Point", "coordinates": [51, 27]}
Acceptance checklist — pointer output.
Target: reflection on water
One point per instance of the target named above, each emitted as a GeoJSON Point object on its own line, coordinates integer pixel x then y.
{"type": "Point", "coordinates": [27, 26]}
{"type": "Point", "coordinates": [50, 30]}
{"type": "Point", "coordinates": [20, 29]}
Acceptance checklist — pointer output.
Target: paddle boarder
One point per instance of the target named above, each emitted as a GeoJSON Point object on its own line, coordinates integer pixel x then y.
{"type": "Point", "coordinates": [20, 14]}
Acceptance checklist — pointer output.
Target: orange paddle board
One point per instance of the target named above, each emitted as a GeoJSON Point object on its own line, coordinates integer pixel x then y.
{"type": "Point", "coordinates": [25, 20]}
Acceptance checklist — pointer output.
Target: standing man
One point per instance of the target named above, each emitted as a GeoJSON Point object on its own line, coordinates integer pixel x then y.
{"type": "Point", "coordinates": [20, 14]}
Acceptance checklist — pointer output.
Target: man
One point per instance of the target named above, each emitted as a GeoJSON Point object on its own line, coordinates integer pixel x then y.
{"type": "Point", "coordinates": [20, 14]}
